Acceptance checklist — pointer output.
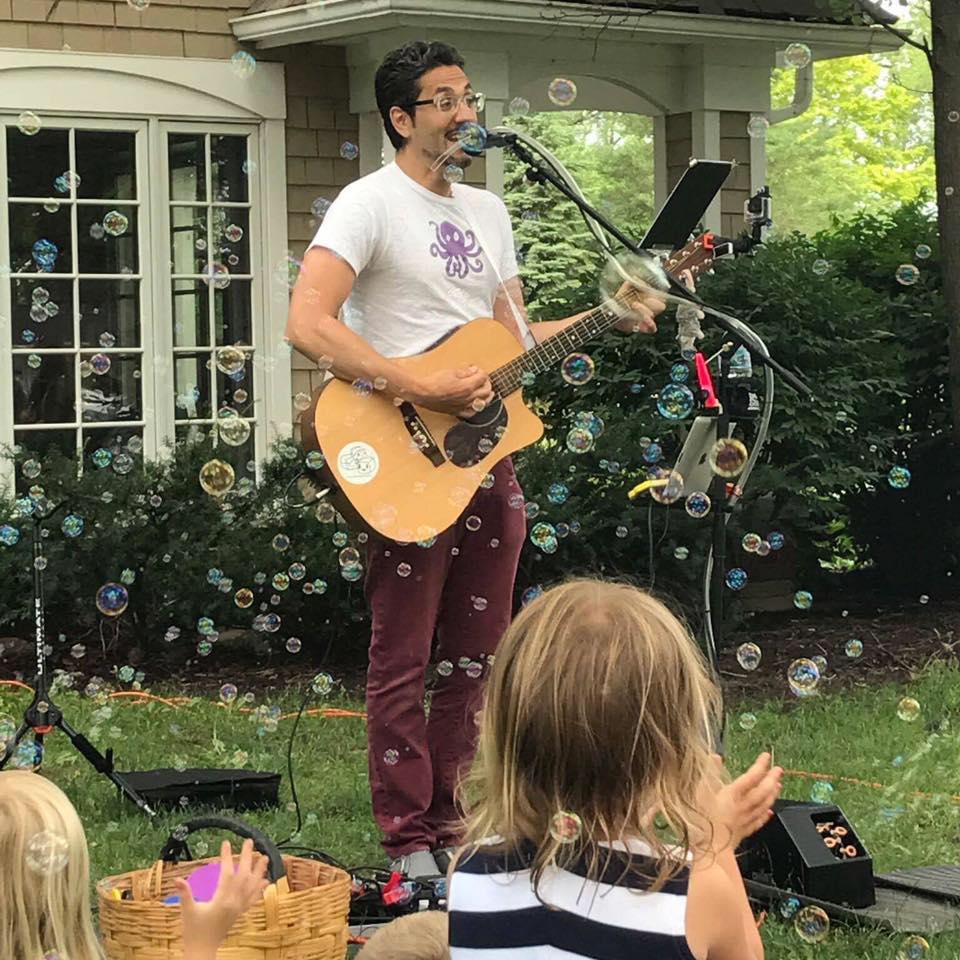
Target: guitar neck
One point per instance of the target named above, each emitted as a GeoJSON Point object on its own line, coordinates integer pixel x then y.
{"type": "Point", "coordinates": [696, 257]}
{"type": "Point", "coordinates": [542, 357]}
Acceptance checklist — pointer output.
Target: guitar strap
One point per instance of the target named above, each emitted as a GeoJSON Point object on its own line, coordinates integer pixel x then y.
{"type": "Point", "coordinates": [529, 341]}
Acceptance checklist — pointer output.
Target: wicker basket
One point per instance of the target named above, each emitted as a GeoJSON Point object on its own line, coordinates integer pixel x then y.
{"type": "Point", "coordinates": [303, 916]}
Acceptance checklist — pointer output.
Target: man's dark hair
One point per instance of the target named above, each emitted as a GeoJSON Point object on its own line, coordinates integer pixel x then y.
{"type": "Point", "coordinates": [397, 82]}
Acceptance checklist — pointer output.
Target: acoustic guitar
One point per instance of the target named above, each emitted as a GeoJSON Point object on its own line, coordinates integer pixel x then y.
{"type": "Point", "coordinates": [406, 472]}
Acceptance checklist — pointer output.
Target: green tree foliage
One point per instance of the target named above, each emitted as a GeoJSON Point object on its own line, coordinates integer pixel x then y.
{"type": "Point", "coordinates": [865, 143]}
{"type": "Point", "coordinates": [609, 156]}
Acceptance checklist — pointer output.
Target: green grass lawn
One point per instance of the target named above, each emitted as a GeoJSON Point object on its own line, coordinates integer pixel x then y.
{"type": "Point", "coordinates": [854, 733]}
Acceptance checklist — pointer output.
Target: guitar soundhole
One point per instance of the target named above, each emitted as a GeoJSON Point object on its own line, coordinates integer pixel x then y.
{"type": "Point", "coordinates": [471, 440]}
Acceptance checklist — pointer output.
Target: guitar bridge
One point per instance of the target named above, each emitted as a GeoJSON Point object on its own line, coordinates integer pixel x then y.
{"type": "Point", "coordinates": [420, 435]}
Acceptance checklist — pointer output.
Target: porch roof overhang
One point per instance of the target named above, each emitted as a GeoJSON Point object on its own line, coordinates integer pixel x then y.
{"type": "Point", "coordinates": [346, 22]}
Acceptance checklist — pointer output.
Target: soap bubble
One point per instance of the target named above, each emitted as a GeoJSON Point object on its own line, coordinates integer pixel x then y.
{"type": "Point", "coordinates": [751, 541]}
{"type": "Point", "coordinates": [115, 223]}
{"type": "Point", "coordinates": [803, 677]}
{"type": "Point", "coordinates": [908, 709]}
{"type": "Point", "coordinates": [820, 267]}
{"type": "Point", "coordinates": [736, 579]}
{"type": "Point", "coordinates": [577, 369]}
{"type": "Point", "coordinates": [472, 138]}
{"type": "Point", "coordinates": [789, 907]}
{"type": "Point", "coordinates": [757, 127]}
{"type": "Point", "coordinates": [453, 173]}
{"type": "Point", "coordinates": [727, 457]}
{"type": "Point", "coordinates": [72, 525]}
{"type": "Point", "coordinates": [9, 535]}
{"type": "Point", "coordinates": [675, 401]}
{"type": "Point", "coordinates": [112, 599]}
{"type": "Point", "coordinates": [913, 948]}
{"type": "Point", "coordinates": [228, 693]}
{"type": "Point", "coordinates": [28, 123]}
{"type": "Point", "coordinates": [100, 363]}
{"type": "Point", "coordinates": [747, 721]}
{"type": "Point", "coordinates": [558, 493]}
{"type": "Point", "coordinates": [47, 852]}
{"type": "Point", "coordinates": [670, 490]}
{"type": "Point", "coordinates": [579, 440]}
{"type": "Point", "coordinates": [697, 505]}
{"type": "Point", "coordinates": [518, 107]}
{"type": "Point", "coordinates": [803, 599]}
{"type": "Point", "coordinates": [748, 656]}
{"type": "Point", "coordinates": [812, 924]}
{"type": "Point", "coordinates": [45, 253]}
{"type": "Point", "coordinates": [821, 792]}
{"type": "Point", "coordinates": [907, 274]}
{"type": "Point", "coordinates": [565, 827]}
{"type": "Point", "coordinates": [230, 360]}
{"type": "Point", "coordinates": [243, 64]}
{"type": "Point", "coordinates": [681, 553]}
{"type": "Point", "coordinates": [349, 151]}
{"type": "Point", "coordinates": [899, 477]}
{"type": "Point", "coordinates": [217, 478]}
{"type": "Point", "coordinates": [923, 251]}
{"type": "Point", "coordinates": [562, 92]}
{"type": "Point", "coordinates": [233, 431]}
{"type": "Point", "coordinates": [776, 540]}
{"type": "Point", "coordinates": [853, 648]}
{"type": "Point", "coordinates": [797, 56]}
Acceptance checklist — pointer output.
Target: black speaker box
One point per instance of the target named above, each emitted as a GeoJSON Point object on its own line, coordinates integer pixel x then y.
{"type": "Point", "coordinates": [225, 789]}
{"type": "Point", "coordinates": [811, 849]}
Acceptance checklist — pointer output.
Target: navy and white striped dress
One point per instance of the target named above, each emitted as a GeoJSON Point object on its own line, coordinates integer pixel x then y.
{"type": "Point", "coordinates": [495, 914]}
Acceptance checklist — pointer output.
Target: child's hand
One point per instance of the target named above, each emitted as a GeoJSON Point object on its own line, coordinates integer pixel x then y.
{"type": "Point", "coordinates": [741, 808]}
{"type": "Point", "coordinates": [205, 925]}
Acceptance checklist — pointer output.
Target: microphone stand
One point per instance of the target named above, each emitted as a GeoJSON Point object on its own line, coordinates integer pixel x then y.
{"type": "Point", "coordinates": [540, 172]}
{"type": "Point", "coordinates": [42, 716]}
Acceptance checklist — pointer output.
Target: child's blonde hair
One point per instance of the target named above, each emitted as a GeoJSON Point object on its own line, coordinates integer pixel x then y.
{"type": "Point", "coordinates": [419, 936]}
{"type": "Point", "coordinates": [44, 873]}
{"type": "Point", "coordinates": [599, 705]}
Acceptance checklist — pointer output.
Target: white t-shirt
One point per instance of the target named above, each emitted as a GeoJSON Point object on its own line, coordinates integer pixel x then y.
{"type": "Point", "coordinates": [425, 264]}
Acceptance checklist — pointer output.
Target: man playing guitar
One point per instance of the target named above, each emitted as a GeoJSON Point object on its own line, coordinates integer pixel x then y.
{"type": "Point", "coordinates": [405, 255]}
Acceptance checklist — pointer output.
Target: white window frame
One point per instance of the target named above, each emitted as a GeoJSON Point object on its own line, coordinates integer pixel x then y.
{"type": "Point", "coordinates": [157, 95]}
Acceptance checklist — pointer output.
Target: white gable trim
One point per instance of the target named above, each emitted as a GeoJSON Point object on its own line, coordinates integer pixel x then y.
{"type": "Point", "coordinates": [55, 82]}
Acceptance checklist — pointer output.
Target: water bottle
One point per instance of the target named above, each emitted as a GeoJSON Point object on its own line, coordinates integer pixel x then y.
{"type": "Point", "coordinates": [741, 366]}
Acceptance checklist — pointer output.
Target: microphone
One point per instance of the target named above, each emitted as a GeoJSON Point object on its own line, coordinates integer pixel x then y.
{"type": "Point", "coordinates": [476, 139]}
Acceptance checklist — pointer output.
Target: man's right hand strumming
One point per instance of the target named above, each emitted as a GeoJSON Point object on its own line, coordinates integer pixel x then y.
{"type": "Point", "coordinates": [462, 392]}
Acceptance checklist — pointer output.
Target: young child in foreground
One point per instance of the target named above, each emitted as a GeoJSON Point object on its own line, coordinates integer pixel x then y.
{"type": "Point", "coordinates": [45, 881]}
{"type": "Point", "coordinates": [602, 823]}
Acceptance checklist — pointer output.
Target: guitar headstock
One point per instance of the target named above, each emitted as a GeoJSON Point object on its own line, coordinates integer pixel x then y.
{"type": "Point", "coordinates": [697, 257]}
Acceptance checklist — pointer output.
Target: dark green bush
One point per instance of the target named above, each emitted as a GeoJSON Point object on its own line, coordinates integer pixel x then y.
{"type": "Point", "coordinates": [874, 352]}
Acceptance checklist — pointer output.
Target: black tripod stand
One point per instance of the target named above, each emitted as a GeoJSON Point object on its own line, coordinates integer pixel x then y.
{"type": "Point", "coordinates": [43, 716]}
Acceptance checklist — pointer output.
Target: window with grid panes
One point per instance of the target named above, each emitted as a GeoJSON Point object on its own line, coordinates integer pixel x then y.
{"type": "Point", "coordinates": [90, 366]}
{"type": "Point", "coordinates": [211, 289]}
{"type": "Point", "coordinates": [76, 293]}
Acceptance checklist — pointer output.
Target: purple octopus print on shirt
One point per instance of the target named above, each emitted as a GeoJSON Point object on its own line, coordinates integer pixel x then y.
{"type": "Point", "coordinates": [461, 251]}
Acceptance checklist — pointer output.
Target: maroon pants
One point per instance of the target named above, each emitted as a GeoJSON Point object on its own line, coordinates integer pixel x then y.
{"type": "Point", "coordinates": [458, 590]}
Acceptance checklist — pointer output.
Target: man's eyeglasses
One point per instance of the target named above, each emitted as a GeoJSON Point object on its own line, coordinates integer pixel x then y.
{"type": "Point", "coordinates": [448, 102]}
